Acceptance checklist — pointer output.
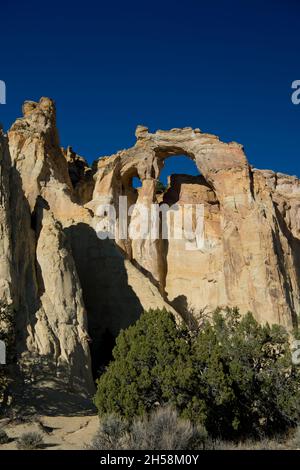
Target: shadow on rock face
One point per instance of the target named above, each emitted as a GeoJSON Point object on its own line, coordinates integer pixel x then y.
{"type": "Point", "coordinates": [110, 301]}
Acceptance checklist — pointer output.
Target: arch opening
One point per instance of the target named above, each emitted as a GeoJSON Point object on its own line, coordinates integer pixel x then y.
{"type": "Point", "coordinates": [177, 164]}
{"type": "Point", "coordinates": [136, 182]}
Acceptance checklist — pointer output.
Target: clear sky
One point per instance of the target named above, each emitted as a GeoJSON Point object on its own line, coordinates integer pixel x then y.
{"type": "Point", "coordinates": [224, 66]}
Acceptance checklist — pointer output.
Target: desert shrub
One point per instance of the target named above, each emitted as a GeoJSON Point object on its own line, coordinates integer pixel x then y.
{"type": "Point", "coordinates": [4, 439]}
{"type": "Point", "coordinates": [7, 334]}
{"type": "Point", "coordinates": [233, 376]}
{"type": "Point", "coordinates": [30, 441]}
{"type": "Point", "coordinates": [163, 429]}
{"type": "Point", "coordinates": [113, 434]}
{"type": "Point", "coordinates": [248, 444]}
{"type": "Point", "coordinates": [295, 439]}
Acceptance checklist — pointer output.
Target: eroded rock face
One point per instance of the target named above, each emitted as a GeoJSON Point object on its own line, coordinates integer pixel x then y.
{"type": "Point", "coordinates": [51, 323]}
{"type": "Point", "coordinates": [81, 176]}
{"type": "Point", "coordinates": [69, 289]}
{"type": "Point", "coordinates": [5, 226]}
{"type": "Point", "coordinates": [251, 253]}
{"type": "Point", "coordinates": [73, 292]}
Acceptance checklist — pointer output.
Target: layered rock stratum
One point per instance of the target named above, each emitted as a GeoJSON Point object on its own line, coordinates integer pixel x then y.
{"type": "Point", "coordinates": [72, 292]}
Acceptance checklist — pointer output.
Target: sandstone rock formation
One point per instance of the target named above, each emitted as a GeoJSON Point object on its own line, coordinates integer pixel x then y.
{"type": "Point", "coordinates": [72, 291]}
{"type": "Point", "coordinates": [251, 253]}
{"type": "Point", "coordinates": [5, 228]}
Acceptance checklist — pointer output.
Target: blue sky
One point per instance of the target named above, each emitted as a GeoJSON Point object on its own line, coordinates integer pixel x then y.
{"type": "Point", "coordinates": [223, 66]}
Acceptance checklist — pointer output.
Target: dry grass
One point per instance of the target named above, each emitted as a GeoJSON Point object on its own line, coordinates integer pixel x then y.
{"type": "Point", "coordinates": [30, 441]}
{"type": "Point", "coordinates": [164, 430]}
{"type": "Point", "coordinates": [161, 430]}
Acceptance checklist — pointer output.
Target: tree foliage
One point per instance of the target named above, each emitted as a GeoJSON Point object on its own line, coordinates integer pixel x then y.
{"type": "Point", "coordinates": [245, 377]}
{"type": "Point", "coordinates": [144, 373]}
{"type": "Point", "coordinates": [234, 376]}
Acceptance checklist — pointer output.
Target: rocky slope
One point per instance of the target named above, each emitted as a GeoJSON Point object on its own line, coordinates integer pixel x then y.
{"type": "Point", "coordinates": [72, 292]}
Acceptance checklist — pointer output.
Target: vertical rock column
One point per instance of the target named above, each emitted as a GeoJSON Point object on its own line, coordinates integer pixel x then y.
{"type": "Point", "coordinates": [147, 250]}
{"type": "Point", "coordinates": [5, 229]}
{"type": "Point", "coordinates": [51, 320]}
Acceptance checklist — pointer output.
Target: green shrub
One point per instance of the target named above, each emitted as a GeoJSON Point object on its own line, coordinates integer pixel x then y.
{"type": "Point", "coordinates": [30, 441]}
{"type": "Point", "coordinates": [144, 373]}
{"type": "Point", "coordinates": [245, 377]}
{"type": "Point", "coordinates": [233, 376]}
{"type": "Point", "coordinates": [4, 439]}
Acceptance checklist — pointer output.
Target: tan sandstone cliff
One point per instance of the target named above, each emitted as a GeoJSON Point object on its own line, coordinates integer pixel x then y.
{"type": "Point", "coordinates": [72, 292]}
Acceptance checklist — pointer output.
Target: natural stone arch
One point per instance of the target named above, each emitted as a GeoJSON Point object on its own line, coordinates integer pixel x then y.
{"type": "Point", "coordinates": [254, 264]}
{"type": "Point", "coordinates": [211, 156]}
{"type": "Point", "coordinates": [214, 159]}
{"type": "Point", "coordinates": [225, 169]}
{"type": "Point", "coordinates": [207, 150]}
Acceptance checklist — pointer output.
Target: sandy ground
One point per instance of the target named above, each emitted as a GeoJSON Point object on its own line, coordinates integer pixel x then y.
{"type": "Point", "coordinates": [66, 421]}
{"type": "Point", "coordinates": [59, 432]}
